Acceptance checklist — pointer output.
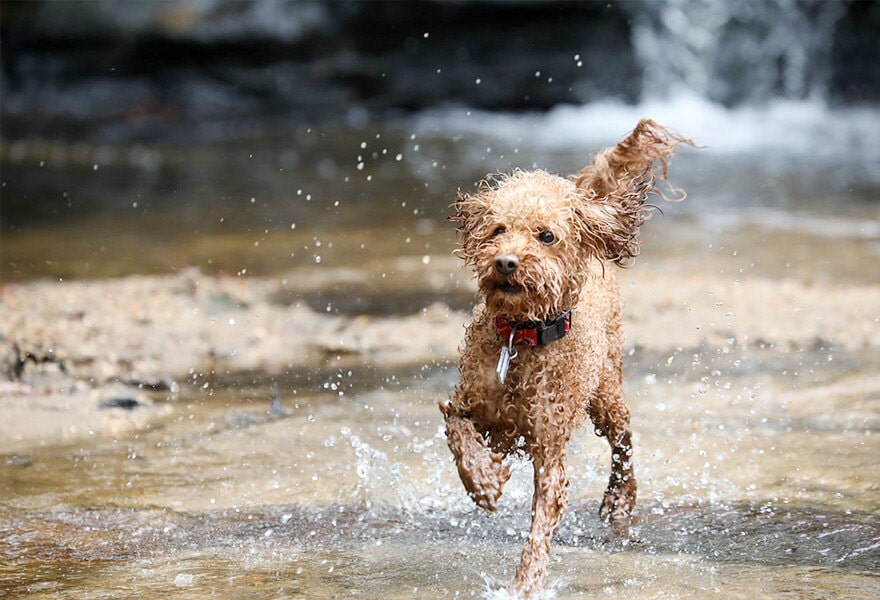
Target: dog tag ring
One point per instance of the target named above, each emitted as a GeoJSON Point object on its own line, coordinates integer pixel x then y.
{"type": "Point", "coordinates": [508, 353]}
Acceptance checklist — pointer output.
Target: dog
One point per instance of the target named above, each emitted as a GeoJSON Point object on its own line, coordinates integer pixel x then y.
{"type": "Point", "coordinates": [543, 349]}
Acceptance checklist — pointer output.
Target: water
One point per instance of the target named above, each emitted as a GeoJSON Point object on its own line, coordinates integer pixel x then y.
{"type": "Point", "coordinates": [734, 53]}
{"type": "Point", "coordinates": [747, 487]}
{"type": "Point", "coordinates": [756, 465]}
{"type": "Point", "coordinates": [266, 205]}
{"type": "Point", "coordinates": [752, 370]}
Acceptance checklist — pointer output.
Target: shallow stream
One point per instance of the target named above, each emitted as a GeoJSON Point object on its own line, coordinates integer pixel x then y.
{"type": "Point", "coordinates": [753, 483]}
{"type": "Point", "coordinates": [758, 466]}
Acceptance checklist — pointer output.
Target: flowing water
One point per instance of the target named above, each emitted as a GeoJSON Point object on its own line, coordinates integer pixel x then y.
{"type": "Point", "coordinates": [758, 467]}
{"type": "Point", "coordinates": [757, 479]}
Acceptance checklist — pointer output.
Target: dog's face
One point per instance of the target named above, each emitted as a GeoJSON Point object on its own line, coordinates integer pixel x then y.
{"type": "Point", "coordinates": [529, 237]}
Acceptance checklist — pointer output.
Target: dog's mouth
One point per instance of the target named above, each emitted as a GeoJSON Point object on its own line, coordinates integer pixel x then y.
{"type": "Point", "coordinates": [508, 288]}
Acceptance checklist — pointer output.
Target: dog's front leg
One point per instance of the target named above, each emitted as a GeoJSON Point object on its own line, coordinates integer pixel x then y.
{"type": "Point", "coordinates": [481, 470]}
{"type": "Point", "coordinates": [548, 504]}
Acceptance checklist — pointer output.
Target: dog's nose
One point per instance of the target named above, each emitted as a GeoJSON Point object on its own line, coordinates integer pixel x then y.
{"type": "Point", "coordinates": [506, 263]}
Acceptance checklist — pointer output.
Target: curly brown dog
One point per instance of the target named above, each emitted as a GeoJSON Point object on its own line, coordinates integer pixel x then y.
{"type": "Point", "coordinates": [543, 349]}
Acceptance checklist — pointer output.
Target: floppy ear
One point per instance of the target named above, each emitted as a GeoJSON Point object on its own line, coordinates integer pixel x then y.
{"type": "Point", "coordinates": [617, 183]}
{"type": "Point", "coordinates": [471, 219]}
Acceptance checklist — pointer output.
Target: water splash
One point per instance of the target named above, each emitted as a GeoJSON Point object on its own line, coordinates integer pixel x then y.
{"type": "Point", "coordinates": [381, 484]}
{"type": "Point", "coordinates": [496, 589]}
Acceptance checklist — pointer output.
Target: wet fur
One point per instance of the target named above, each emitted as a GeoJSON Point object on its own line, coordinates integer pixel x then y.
{"type": "Point", "coordinates": [595, 218]}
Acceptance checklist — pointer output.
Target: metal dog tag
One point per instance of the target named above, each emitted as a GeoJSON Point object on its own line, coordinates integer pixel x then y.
{"type": "Point", "coordinates": [508, 353]}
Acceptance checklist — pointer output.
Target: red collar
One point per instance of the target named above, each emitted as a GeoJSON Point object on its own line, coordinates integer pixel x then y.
{"type": "Point", "coordinates": [534, 333]}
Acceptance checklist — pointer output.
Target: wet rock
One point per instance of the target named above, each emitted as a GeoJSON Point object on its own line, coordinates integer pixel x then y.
{"type": "Point", "coordinates": [240, 420]}
{"type": "Point", "coordinates": [18, 460]}
{"type": "Point", "coordinates": [10, 360]}
{"type": "Point", "coordinates": [153, 383]}
{"type": "Point", "coordinates": [123, 403]}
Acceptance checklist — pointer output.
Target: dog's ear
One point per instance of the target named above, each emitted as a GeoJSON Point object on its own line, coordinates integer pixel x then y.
{"type": "Point", "coordinates": [470, 215]}
{"type": "Point", "coordinates": [616, 185]}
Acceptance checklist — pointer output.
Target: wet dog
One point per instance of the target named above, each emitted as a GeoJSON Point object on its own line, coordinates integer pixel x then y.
{"type": "Point", "coordinates": [543, 349]}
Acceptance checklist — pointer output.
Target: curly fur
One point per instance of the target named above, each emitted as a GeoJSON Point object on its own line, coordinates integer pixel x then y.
{"type": "Point", "coordinates": [594, 219]}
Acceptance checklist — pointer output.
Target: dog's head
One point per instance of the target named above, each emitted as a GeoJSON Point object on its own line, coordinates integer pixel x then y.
{"type": "Point", "coordinates": [531, 236]}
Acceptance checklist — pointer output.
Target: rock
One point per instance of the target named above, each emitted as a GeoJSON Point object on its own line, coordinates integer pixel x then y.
{"type": "Point", "coordinates": [123, 403]}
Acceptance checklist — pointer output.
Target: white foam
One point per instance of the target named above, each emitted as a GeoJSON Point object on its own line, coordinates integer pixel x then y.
{"type": "Point", "coordinates": [791, 128]}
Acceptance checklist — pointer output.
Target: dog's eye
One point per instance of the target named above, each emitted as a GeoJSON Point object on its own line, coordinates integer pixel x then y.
{"type": "Point", "coordinates": [547, 237]}
{"type": "Point", "coordinates": [499, 231]}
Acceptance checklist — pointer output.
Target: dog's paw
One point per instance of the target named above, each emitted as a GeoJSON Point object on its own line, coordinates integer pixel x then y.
{"type": "Point", "coordinates": [484, 477]}
{"type": "Point", "coordinates": [618, 502]}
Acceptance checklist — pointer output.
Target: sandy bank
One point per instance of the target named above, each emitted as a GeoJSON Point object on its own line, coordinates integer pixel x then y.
{"type": "Point", "coordinates": [70, 350]}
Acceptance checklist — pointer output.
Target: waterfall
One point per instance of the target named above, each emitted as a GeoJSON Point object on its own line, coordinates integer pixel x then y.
{"type": "Point", "coordinates": [735, 52]}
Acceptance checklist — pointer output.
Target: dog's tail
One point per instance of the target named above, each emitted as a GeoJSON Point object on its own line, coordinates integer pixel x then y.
{"type": "Point", "coordinates": [640, 157]}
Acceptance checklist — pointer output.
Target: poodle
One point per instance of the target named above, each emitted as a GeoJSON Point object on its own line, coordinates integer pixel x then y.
{"type": "Point", "coordinates": [542, 351]}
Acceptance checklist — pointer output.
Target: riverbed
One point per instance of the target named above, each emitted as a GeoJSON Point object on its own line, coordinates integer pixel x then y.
{"type": "Point", "coordinates": [237, 395]}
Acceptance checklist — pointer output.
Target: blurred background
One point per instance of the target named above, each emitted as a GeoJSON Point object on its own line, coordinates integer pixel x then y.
{"type": "Point", "coordinates": [258, 137]}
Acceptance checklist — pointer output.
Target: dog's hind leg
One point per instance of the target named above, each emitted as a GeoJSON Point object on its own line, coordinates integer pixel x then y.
{"type": "Point", "coordinates": [481, 470]}
{"type": "Point", "coordinates": [611, 419]}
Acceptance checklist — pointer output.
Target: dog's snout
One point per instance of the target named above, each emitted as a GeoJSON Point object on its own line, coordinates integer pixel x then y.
{"type": "Point", "coordinates": [506, 263]}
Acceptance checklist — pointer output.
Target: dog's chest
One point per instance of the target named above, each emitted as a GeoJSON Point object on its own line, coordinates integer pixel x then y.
{"type": "Point", "coordinates": [535, 376]}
